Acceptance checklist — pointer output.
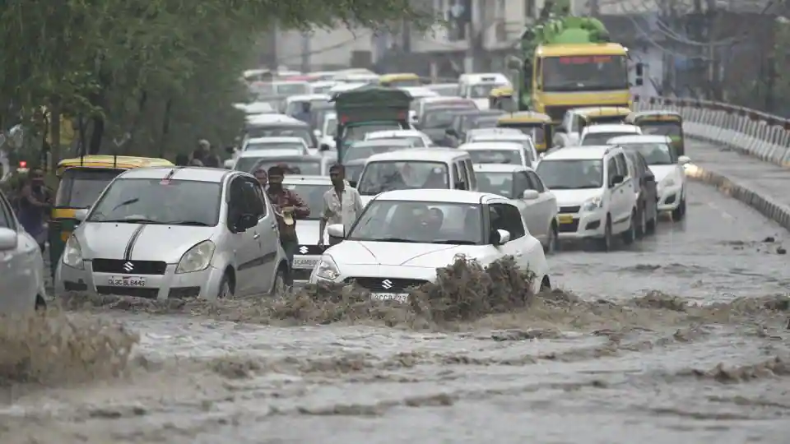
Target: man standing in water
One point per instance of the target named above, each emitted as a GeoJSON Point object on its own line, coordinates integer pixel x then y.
{"type": "Point", "coordinates": [342, 204]}
{"type": "Point", "coordinates": [34, 202]}
{"type": "Point", "coordinates": [288, 206]}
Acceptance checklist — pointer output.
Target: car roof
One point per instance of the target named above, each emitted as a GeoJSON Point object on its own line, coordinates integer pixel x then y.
{"type": "Point", "coordinates": [427, 154]}
{"type": "Point", "coordinates": [200, 174]}
{"type": "Point", "coordinates": [442, 85]}
{"type": "Point", "coordinates": [278, 139]}
{"type": "Point", "coordinates": [443, 195]}
{"type": "Point", "coordinates": [419, 91]}
{"type": "Point", "coordinates": [497, 135]}
{"type": "Point", "coordinates": [382, 142]}
{"type": "Point", "coordinates": [473, 146]}
{"type": "Point", "coordinates": [283, 152]}
{"type": "Point", "coordinates": [639, 138]}
{"type": "Point", "coordinates": [448, 99]}
{"type": "Point", "coordinates": [273, 119]}
{"type": "Point", "coordinates": [580, 49]}
{"type": "Point", "coordinates": [499, 168]}
{"type": "Point", "coordinates": [579, 152]}
{"type": "Point", "coordinates": [394, 134]}
{"type": "Point", "coordinates": [610, 127]}
{"type": "Point", "coordinates": [307, 97]}
{"type": "Point", "coordinates": [307, 180]}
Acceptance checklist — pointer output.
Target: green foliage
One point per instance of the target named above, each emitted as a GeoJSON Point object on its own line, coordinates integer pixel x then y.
{"type": "Point", "coordinates": [164, 71]}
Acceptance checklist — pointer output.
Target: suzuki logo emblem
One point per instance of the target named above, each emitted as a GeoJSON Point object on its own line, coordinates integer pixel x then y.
{"type": "Point", "coordinates": [387, 284]}
{"type": "Point", "coordinates": [128, 267]}
{"type": "Point", "coordinates": [303, 249]}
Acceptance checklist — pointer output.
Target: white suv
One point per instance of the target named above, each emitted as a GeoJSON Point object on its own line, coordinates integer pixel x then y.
{"type": "Point", "coordinates": [594, 193]}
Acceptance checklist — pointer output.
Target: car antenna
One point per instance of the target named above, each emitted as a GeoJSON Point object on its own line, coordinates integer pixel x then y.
{"type": "Point", "coordinates": [168, 177]}
{"type": "Point", "coordinates": [114, 160]}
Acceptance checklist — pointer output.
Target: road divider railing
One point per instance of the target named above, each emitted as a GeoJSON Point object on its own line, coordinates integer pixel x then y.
{"type": "Point", "coordinates": [758, 134]}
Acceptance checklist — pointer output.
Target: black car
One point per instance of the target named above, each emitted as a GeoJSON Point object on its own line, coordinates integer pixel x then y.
{"type": "Point", "coordinates": [647, 196]}
{"type": "Point", "coordinates": [466, 120]}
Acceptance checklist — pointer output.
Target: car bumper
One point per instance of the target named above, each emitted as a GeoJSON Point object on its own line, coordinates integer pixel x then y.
{"type": "Point", "coordinates": [669, 198]}
{"type": "Point", "coordinates": [303, 266]}
{"type": "Point", "coordinates": [582, 225]}
{"type": "Point", "coordinates": [380, 272]}
{"type": "Point", "coordinates": [200, 284]}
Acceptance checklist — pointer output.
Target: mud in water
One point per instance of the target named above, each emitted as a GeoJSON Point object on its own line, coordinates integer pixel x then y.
{"type": "Point", "coordinates": [472, 353]}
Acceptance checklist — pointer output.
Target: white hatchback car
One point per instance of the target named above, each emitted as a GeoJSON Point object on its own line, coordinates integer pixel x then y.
{"type": "Point", "coordinates": [597, 135]}
{"type": "Point", "coordinates": [594, 193]}
{"type": "Point", "coordinates": [22, 285]}
{"type": "Point", "coordinates": [663, 161]}
{"type": "Point", "coordinates": [403, 236]}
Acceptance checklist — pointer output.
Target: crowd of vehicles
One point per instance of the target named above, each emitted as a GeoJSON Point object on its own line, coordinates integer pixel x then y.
{"type": "Point", "coordinates": [440, 173]}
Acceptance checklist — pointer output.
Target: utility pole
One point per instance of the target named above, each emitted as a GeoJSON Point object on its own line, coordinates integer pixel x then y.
{"type": "Point", "coordinates": [305, 52]}
{"type": "Point", "coordinates": [595, 8]}
{"type": "Point", "coordinates": [713, 60]}
{"type": "Point", "coordinates": [694, 26]}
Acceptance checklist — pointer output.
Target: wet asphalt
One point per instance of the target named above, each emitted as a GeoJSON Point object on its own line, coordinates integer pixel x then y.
{"type": "Point", "coordinates": [618, 367]}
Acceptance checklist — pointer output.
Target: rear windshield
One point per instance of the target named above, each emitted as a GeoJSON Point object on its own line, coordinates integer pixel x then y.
{"type": "Point", "coordinates": [254, 132]}
{"type": "Point", "coordinates": [80, 187]}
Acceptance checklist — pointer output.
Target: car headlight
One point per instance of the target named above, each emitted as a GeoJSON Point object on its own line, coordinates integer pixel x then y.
{"type": "Point", "coordinates": [197, 258]}
{"type": "Point", "coordinates": [72, 254]}
{"type": "Point", "coordinates": [592, 204]}
{"type": "Point", "coordinates": [327, 269]}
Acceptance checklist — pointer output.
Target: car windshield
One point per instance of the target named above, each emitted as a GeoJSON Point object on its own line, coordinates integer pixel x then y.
{"type": "Point", "coordinates": [383, 176]}
{"type": "Point", "coordinates": [356, 133]}
{"type": "Point", "coordinates": [605, 120]}
{"type": "Point", "coordinates": [80, 187]}
{"type": "Point", "coordinates": [495, 183]}
{"type": "Point", "coordinates": [482, 91]}
{"type": "Point", "coordinates": [439, 117]}
{"type": "Point", "coordinates": [483, 122]}
{"type": "Point", "coordinates": [292, 89]}
{"type": "Point", "coordinates": [537, 133]}
{"type": "Point", "coordinates": [571, 174]}
{"type": "Point", "coordinates": [654, 153]}
{"type": "Point", "coordinates": [330, 124]}
{"type": "Point", "coordinates": [313, 196]}
{"type": "Point", "coordinates": [512, 157]}
{"type": "Point", "coordinates": [671, 129]}
{"type": "Point", "coordinates": [354, 171]}
{"type": "Point", "coordinates": [419, 222]}
{"type": "Point", "coordinates": [294, 146]}
{"type": "Point", "coordinates": [363, 152]}
{"type": "Point", "coordinates": [445, 90]}
{"type": "Point", "coordinates": [596, 139]}
{"type": "Point", "coordinates": [304, 167]}
{"type": "Point", "coordinates": [295, 107]}
{"type": "Point", "coordinates": [281, 131]}
{"type": "Point", "coordinates": [157, 201]}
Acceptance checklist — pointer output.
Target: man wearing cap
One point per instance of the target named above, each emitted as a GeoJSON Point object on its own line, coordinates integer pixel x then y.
{"type": "Point", "coordinates": [288, 207]}
{"type": "Point", "coordinates": [342, 204]}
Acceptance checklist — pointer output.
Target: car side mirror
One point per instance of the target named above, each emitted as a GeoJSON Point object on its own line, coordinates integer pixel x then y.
{"type": "Point", "coordinates": [245, 222]}
{"type": "Point", "coordinates": [228, 164]}
{"type": "Point", "coordinates": [560, 130]}
{"type": "Point", "coordinates": [323, 147]}
{"type": "Point", "coordinates": [352, 183]}
{"type": "Point", "coordinates": [81, 214]}
{"type": "Point", "coordinates": [682, 160]}
{"type": "Point", "coordinates": [9, 239]}
{"type": "Point", "coordinates": [616, 180]}
{"type": "Point", "coordinates": [336, 231]}
{"type": "Point", "coordinates": [530, 195]}
{"type": "Point", "coordinates": [650, 178]}
{"type": "Point", "coordinates": [501, 237]}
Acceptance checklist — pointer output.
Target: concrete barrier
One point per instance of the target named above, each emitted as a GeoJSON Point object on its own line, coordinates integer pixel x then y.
{"type": "Point", "coordinates": [764, 204]}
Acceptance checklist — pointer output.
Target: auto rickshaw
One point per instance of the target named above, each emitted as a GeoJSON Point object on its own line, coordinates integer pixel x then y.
{"type": "Point", "coordinates": [597, 115]}
{"type": "Point", "coordinates": [660, 123]}
{"type": "Point", "coordinates": [81, 181]}
{"type": "Point", "coordinates": [502, 98]}
{"type": "Point", "coordinates": [400, 80]}
{"type": "Point", "coordinates": [533, 124]}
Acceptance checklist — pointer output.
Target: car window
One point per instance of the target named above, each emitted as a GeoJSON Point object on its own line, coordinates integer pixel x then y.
{"type": "Point", "coordinates": [6, 215]}
{"type": "Point", "coordinates": [622, 166]}
{"type": "Point", "coordinates": [463, 178]}
{"type": "Point", "coordinates": [456, 174]}
{"type": "Point", "coordinates": [252, 199]}
{"type": "Point", "coordinates": [470, 173]}
{"type": "Point", "coordinates": [507, 217]}
{"type": "Point", "coordinates": [611, 168]}
{"type": "Point", "coordinates": [536, 182]}
{"type": "Point", "coordinates": [521, 183]}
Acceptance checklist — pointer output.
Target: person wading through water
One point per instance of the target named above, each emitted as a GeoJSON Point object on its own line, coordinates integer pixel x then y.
{"type": "Point", "coordinates": [33, 205]}
{"type": "Point", "coordinates": [288, 207]}
{"type": "Point", "coordinates": [342, 205]}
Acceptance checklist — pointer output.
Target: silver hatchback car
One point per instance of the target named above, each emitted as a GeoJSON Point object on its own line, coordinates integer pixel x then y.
{"type": "Point", "coordinates": [163, 233]}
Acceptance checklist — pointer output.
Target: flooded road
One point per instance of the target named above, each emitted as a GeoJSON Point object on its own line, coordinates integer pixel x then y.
{"type": "Point", "coordinates": [618, 356]}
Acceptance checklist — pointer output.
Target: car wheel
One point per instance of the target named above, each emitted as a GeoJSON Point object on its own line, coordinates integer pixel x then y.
{"type": "Point", "coordinates": [279, 287]}
{"type": "Point", "coordinates": [225, 288]}
{"type": "Point", "coordinates": [630, 234]}
{"type": "Point", "coordinates": [652, 222]}
{"type": "Point", "coordinates": [552, 244]}
{"type": "Point", "coordinates": [679, 212]}
{"type": "Point", "coordinates": [641, 229]}
{"type": "Point", "coordinates": [41, 304]}
{"type": "Point", "coordinates": [606, 241]}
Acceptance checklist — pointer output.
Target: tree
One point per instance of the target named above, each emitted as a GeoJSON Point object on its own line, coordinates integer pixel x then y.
{"type": "Point", "coordinates": [162, 72]}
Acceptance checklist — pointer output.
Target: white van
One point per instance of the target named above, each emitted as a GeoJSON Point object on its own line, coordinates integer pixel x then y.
{"type": "Point", "coordinates": [478, 86]}
{"type": "Point", "coordinates": [430, 168]}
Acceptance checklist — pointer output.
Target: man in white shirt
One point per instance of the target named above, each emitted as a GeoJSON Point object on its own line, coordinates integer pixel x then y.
{"type": "Point", "coordinates": [342, 204]}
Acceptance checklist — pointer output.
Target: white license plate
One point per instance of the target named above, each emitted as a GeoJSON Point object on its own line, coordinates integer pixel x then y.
{"type": "Point", "coordinates": [126, 281]}
{"type": "Point", "coordinates": [305, 263]}
{"type": "Point", "coordinates": [400, 297]}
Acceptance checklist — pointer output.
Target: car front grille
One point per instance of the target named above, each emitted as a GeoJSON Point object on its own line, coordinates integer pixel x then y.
{"type": "Point", "coordinates": [571, 227]}
{"type": "Point", "coordinates": [569, 210]}
{"type": "Point", "coordinates": [386, 285]}
{"type": "Point", "coordinates": [311, 250]}
{"type": "Point", "coordinates": [121, 266]}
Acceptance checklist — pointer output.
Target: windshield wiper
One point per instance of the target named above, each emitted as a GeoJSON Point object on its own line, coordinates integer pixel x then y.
{"type": "Point", "coordinates": [454, 242]}
{"type": "Point", "coordinates": [193, 223]}
{"type": "Point", "coordinates": [125, 203]}
{"type": "Point", "coordinates": [395, 239]}
{"type": "Point", "coordinates": [131, 220]}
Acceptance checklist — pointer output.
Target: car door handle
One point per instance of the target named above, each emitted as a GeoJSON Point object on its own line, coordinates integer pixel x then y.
{"type": "Point", "coordinates": [274, 226]}
{"type": "Point", "coordinates": [256, 236]}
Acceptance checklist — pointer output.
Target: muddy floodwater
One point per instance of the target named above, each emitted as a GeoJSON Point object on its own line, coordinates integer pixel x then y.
{"type": "Point", "coordinates": [681, 338]}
